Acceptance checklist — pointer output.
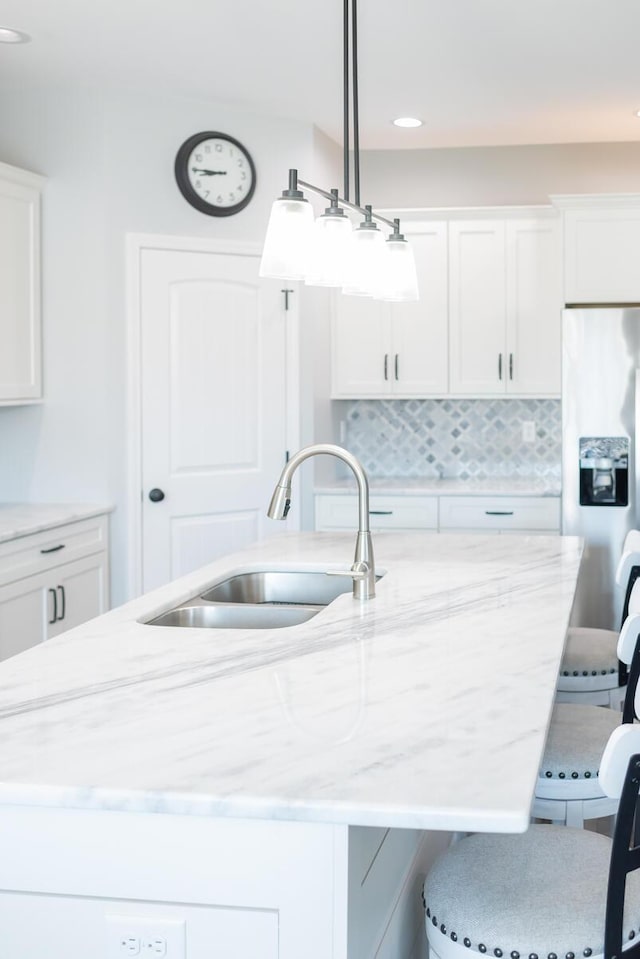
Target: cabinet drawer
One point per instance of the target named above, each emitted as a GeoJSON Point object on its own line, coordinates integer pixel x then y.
{"type": "Point", "coordinates": [40, 552]}
{"type": "Point", "coordinates": [499, 513]}
{"type": "Point", "coordinates": [386, 512]}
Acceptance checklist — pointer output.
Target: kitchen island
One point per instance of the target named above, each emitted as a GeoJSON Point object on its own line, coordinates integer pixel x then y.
{"type": "Point", "coordinates": [277, 793]}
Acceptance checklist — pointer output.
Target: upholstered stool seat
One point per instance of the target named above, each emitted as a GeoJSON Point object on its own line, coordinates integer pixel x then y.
{"type": "Point", "coordinates": [590, 668]}
{"type": "Point", "coordinates": [590, 671]}
{"type": "Point", "coordinates": [549, 893]}
{"type": "Point", "coordinates": [568, 789]}
{"type": "Point", "coordinates": [542, 894]}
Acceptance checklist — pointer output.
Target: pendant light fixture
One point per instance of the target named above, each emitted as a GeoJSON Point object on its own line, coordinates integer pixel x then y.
{"type": "Point", "coordinates": [329, 252]}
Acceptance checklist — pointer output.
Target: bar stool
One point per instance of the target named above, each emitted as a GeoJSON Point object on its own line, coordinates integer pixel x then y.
{"type": "Point", "coordinates": [549, 893]}
{"type": "Point", "coordinates": [568, 789]}
{"type": "Point", "coordinates": [590, 670]}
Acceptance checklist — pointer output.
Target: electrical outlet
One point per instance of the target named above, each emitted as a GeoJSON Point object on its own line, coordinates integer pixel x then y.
{"type": "Point", "coordinates": [142, 936]}
{"type": "Point", "coordinates": [528, 431]}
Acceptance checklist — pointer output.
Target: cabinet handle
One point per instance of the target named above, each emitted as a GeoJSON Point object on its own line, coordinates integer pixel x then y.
{"type": "Point", "coordinates": [386, 366]}
{"type": "Point", "coordinates": [380, 512]}
{"type": "Point", "coordinates": [499, 366]}
{"type": "Point", "coordinates": [396, 366]}
{"type": "Point", "coordinates": [510, 366]}
{"type": "Point", "coordinates": [63, 603]}
{"type": "Point", "coordinates": [53, 549]}
{"type": "Point", "coordinates": [498, 512]}
{"type": "Point", "coordinates": [55, 607]}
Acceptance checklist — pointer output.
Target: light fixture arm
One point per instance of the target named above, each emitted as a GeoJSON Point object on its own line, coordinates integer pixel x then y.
{"type": "Point", "coordinates": [393, 224]}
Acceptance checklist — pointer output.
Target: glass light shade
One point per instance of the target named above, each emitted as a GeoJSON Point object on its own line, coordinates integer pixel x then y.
{"type": "Point", "coordinates": [328, 250]}
{"type": "Point", "coordinates": [365, 259]}
{"type": "Point", "coordinates": [398, 280]}
{"type": "Point", "coordinates": [286, 245]}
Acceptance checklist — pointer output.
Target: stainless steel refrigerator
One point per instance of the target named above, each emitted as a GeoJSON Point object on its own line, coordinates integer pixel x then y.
{"type": "Point", "coordinates": [600, 410]}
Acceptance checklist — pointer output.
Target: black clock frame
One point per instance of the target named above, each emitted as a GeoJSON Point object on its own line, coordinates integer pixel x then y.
{"type": "Point", "coordinates": [184, 184]}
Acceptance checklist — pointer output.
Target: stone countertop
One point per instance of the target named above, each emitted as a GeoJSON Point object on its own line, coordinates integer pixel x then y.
{"type": "Point", "coordinates": [22, 519]}
{"type": "Point", "coordinates": [426, 707]}
{"type": "Point", "coordinates": [433, 486]}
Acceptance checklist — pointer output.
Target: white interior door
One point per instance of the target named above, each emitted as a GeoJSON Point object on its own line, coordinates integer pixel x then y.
{"type": "Point", "coordinates": [213, 347]}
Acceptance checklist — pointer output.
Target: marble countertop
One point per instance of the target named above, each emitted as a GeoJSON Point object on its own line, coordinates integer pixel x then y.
{"type": "Point", "coordinates": [22, 519]}
{"type": "Point", "coordinates": [452, 486]}
{"type": "Point", "coordinates": [426, 707]}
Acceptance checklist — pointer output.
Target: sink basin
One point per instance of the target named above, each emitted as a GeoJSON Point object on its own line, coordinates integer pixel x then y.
{"type": "Point", "coordinates": [259, 599]}
{"type": "Point", "coordinates": [236, 617]}
{"type": "Point", "coordinates": [306, 587]}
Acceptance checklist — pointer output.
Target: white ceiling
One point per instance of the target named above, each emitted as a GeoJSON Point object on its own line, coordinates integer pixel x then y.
{"type": "Point", "coordinates": [478, 72]}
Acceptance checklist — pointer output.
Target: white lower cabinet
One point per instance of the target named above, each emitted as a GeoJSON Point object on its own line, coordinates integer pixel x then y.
{"type": "Point", "coordinates": [385, 512]}
{"type": "Point", "coordinates": [522, 514]}
{"type": "Point", "coordinates": [51, 582]}
{"type": "Point", "coordinates": [500, 514]}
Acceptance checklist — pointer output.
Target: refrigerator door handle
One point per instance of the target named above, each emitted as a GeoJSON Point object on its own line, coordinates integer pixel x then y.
{"type": "Point", "coordinates": [499, 366]}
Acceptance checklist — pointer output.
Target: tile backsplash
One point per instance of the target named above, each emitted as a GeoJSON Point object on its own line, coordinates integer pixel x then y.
{"type": "Point", "coordinates": [455, 437]}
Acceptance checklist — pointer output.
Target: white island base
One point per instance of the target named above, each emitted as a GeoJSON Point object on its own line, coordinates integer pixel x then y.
{"type": "Point", "coordinates": [277, 794]}
{"type": "Point", "coordinates": [76, 884]}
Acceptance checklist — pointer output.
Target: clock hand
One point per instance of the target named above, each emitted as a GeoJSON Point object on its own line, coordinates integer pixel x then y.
{"type": "Point", "coordinates": [208, 172]}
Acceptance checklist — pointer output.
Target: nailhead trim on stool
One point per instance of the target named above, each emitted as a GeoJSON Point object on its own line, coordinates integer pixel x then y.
{"type": "Point", "coordinates": [577, 737]}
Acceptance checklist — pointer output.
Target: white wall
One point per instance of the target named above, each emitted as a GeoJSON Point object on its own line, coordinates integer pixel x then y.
{"type": "Point", "coordinates": [488, 176]}
{"type": "Point", "coordinates": [109, 164]}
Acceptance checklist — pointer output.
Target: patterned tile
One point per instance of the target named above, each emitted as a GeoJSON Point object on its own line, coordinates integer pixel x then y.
{"type": "Point", "coordinates": [465, 438]}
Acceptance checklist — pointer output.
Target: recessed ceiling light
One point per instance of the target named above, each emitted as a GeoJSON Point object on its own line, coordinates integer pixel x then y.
{"type": "Point", "coordinates": [7, 35]}
{"type": "Point", "coordinates": [407, 122]}
{"type": "Point", "coordinates": [637, 113]}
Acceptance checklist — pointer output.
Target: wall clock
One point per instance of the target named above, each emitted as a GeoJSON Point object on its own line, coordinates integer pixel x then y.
{"type": "Point", "coordinates": [215, 173]}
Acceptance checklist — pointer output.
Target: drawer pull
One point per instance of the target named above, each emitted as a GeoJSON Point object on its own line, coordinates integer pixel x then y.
{"type": "Point", "coordinates": [498, 512]}
{"type": "Point", "coordinates": [53, 549]}
{"type": "Point", "coordinates": [380, 512]}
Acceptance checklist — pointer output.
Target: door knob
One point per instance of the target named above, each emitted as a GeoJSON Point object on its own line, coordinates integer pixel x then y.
{"type": "Point", "coordinates": [156, 495]}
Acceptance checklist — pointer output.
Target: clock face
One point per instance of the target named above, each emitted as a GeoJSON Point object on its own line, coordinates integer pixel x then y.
{"type": "Point", "coordinates": [215, 173]}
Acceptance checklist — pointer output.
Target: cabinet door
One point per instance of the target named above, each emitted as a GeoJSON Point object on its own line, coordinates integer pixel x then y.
{"type": "Point", "coordinates": [419, 331]}
{"type": "Point", "coordinates": [362, 361]}
{"type": "Point", "coordinates": [25, 608]}
{"type": "Point", "coordinates": [534, 307]}
{"type": "Point", "coordinates": [477, 265]}
{"type": "Point", "coordinates": [600, 254]}
{"type": "Point", "coordinates": [81, 590]}
{"type": "Point", "coordinates": [20, 377]}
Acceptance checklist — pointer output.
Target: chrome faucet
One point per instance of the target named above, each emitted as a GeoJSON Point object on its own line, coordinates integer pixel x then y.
{"type": "Point", "coordinates": [363, 569]}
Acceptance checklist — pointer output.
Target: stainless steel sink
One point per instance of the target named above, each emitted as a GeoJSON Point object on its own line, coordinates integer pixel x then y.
{"type": "Point", "coordinates": [236, 617]}
{"type": "Point", "coordinates": [305, 587]}
{"type": "Point", "coordinates": [259, 599]}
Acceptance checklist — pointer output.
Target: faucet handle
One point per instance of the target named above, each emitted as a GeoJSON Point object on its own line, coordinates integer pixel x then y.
{"type": "Point", "coordinates": [357, 571]}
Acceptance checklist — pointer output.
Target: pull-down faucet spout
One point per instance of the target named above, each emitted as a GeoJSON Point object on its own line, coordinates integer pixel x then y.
{"type": "Point", "coordinates": [363, 569]}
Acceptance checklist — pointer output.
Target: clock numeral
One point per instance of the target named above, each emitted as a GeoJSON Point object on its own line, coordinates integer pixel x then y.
{"type": "Point", "coordinates": [206, 193]}
{"type": "Point", "coordinates": [241, 162]}
{"type": "Point", "coordinates": [240, 188]}
{"type": "Point", "coordinates": [207, 148]}
{"type": "Point", "coordinates": [232, 197]}
{"type": "Point", "coordinates": [198, 184]}
{"type": "Point", "coordinates": [218, 148]}
{"type": "Point", "coordinates": [219, 199]}
{"type": "Point", "coordinates": [198, 157]}
{"type": "Point", "coordinates": [243, 175]}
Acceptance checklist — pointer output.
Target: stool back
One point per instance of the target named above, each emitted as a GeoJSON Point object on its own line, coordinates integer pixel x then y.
{"type": "Point", "coordinates": [620, 776]}
{"type": "Point", "coordinates": [628, 652]}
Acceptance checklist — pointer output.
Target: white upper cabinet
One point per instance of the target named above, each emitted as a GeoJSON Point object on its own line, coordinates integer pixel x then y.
{"type": "Point", "coordinates": [20, 361]}
{"type": "Point", "coordinates": [505, 307]}
{"type": "Point", "coordinates": [601, 244]}
{"type": "Point", "coordinates": [477, 263]}
{"type": "Point", "coordinates": [396, 349]}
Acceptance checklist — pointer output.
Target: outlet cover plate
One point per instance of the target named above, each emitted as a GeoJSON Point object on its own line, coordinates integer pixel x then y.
{"type": "Point", "coordinates": [145, 936]}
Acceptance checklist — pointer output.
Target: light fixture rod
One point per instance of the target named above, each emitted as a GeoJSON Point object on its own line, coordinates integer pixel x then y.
{"type": "Point", "coordinates": [345, 93]}
{"type": "Point", "coordinates": [356, 118]}
{"type": "Point", "coordinates": [394, 224]}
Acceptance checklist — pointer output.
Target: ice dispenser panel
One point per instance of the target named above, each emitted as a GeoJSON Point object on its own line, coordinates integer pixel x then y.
{"type": "Point", "coordinates": [604, 471]}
